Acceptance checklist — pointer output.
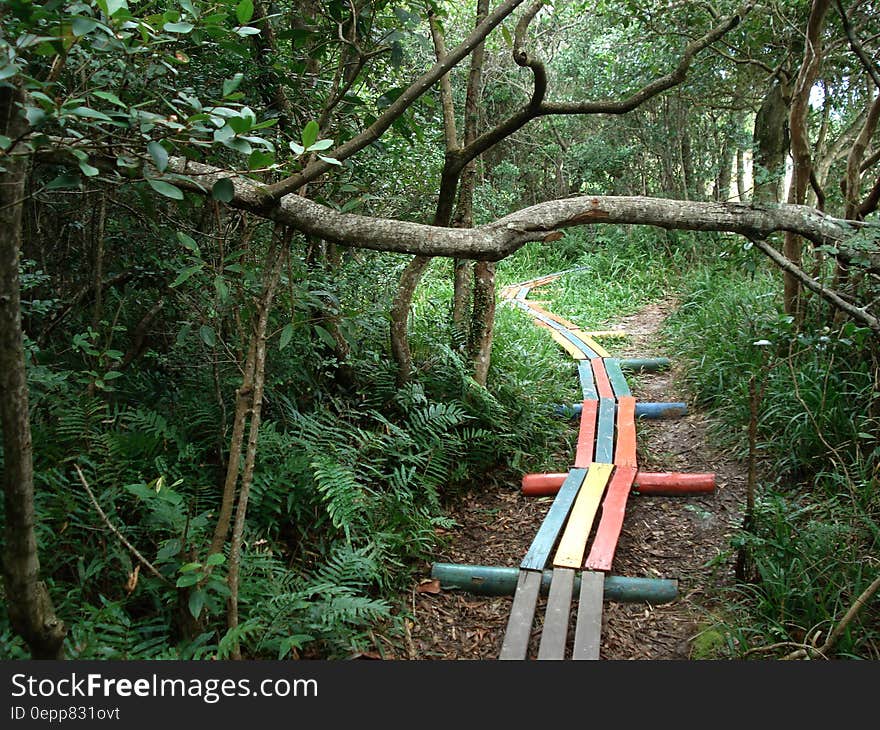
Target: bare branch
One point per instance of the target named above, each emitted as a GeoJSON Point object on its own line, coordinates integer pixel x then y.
{"type": "Point", "coordinates": [115, 530]}
{"type": "Point", "coordinates": [857, 313]}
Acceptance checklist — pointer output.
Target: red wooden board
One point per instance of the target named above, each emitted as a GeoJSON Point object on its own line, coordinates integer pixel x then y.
{"type": "Point", "coordinates": [603, 385]}
{"type": "Point", "coordinates": [613, 510]}
{"type": "Point", "coordinates": [587, 434]}
{"type": "Point", "coordinates": [625, 455]}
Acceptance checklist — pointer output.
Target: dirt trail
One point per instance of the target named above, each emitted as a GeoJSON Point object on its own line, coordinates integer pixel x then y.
{"type": "Point", "coordinates": [663, 537]}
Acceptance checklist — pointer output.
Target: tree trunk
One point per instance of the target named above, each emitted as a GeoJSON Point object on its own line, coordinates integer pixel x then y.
{"type": "Point", "coordinates": [259, 337]}
{"type": "Point", "coordinates": [800, 146]}
{"type": "Point", "coordinates": [30, 608]}
{"type": "Point", "coordinates": [483, 320]}
{"type": "Point", "coordinates": [771, 141]}
{"type": "Point", "coordinates": [409, 280]}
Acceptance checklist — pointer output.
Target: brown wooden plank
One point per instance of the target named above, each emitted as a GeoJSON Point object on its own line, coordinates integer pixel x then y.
{"type": "Point", "coordinates": [588, 632]}
{"type": "Point", "coordinates": [522, 615]}
{"type": "Point", "coordinates": [555, 631]}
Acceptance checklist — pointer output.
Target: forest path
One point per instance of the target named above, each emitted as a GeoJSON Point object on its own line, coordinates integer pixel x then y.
{"type": "Point", "coordinates": [686, 538]}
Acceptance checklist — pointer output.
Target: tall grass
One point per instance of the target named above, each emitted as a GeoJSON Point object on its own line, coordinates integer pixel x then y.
{"type": "Point", "coordinates": [814, 537]}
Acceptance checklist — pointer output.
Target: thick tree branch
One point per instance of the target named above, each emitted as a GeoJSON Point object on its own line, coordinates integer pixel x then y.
{"type": "Point", "coordinates": [496, 240]}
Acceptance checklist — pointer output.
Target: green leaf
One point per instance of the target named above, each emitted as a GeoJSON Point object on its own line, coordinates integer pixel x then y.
{"type": "Point", "coordinates": [190, 567]}
{"type": "Point", "coordinates": [188, 242]}
{"type": "Point", "coordinates": [244, 11]}
{"type": "Point", "coordinates": [222, 288]}
{"type": "Point", "coordinates": [112, 375]}
{"type": "Point", "coordinates": [310, 134]}
{"type": "Point", "coordinates": [247, 30]}
{"type": "Point", "coordinates": [159, 155]}
{"type": "Point", "coordinates": [331, 160]}
{"type": "Point", "coordinates": [111, 97]}
{"type": "Point", "coordinates": [111, 7]}
{"type": "Point", "coordinates": [88, 170]}
{"type": "Point", "coordinates": [230, 85]}
{"type": "Point", "coordinates": [325, 336]}
{"type": "Point", "coordinates": [321, 144]}
{"type": "Point", "coordinates": [216, 559]}
{"type": "Point", "coordinates": [180, 28]}
{"type": "Point", "coordinates": [223, 190]}
{"type": "Point", "coordinates": [186, 273]}
{"type": "Point", "coordinates": [260, 159]}
{"type": "Point", "coordinates": [207, 335]}
{"type": "Point", "coordinates": [297, 149]}
{"type": "Point", "coordinates": [87, 112]}
{"type": "Point", "coordinates": [166, 189]}
{"type": "Point", "coordinates": [5, 142]}
{"type": "Point", "coordinates": [83, 25]}
{"type": "Point", "coordinates": [286, 336]}
{"type": "Point", "coordinates": [190, 579]}
{"type": "Point", "coordinates": [64, 181]}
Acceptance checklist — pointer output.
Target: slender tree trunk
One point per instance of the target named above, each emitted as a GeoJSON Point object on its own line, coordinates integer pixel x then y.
{"type": "Point", "coordinates": [409, 280]}
{"type": "Point", "coordinates": [742, 194]}
{"type": "Point", "coordinates": [30, 608]}
{"type": "Point", "coordinates": [800, 147]}
{"type": "Point", "coordinates": [274, 261]}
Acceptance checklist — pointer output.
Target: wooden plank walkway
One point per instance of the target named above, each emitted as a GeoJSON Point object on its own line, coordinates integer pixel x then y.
{"type": "Point", "coordinates": [605, 466]}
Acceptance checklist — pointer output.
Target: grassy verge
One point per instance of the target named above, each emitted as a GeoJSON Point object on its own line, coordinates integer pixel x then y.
{"type": "Point", "coordinates": [815, 530]}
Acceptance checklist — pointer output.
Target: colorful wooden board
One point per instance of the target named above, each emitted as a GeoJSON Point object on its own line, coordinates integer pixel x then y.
{"type": "Point", "coordinates": [591, 343]}
{"type": "Point", "coordinates": [625, 450]}
{"type": "Point", "coordinates": [605, 431]}
{"type": "Point", "coordinates": [523, 292]}
{"type": "Point", "coordinates": [588, 632]}
{"type": "Point", "coordinates": [613, 511]}
{"type": "Point", "coordinates": [583, 455]}
{"type": "Point", "coordinates": [603, 385]}
{"type": "Point", "coordinates": [555, 317]}
{"type": "Point", "coordinates": [539, 551]}
{"type": "Point", "coordinates": [555, 630]}
{"type": "Point", "coordinates": [522, 614]}
{"type": "Point", "coordinates": [573, 544]}
{"type": "Point", "coordinates": [588, 382]}
{"type": "Point", "coordinates": [615, 375]}
{"type": "Point", "coordinates": [566, 343]}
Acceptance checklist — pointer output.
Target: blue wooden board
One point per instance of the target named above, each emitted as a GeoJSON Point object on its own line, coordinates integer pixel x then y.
{"type": "Point", "coordinates": [615, 375]}
{"type": "Point", "coordinates": [566, 333]}
{"type": "Point", "coordinates": [605, 432]}
{"type": "Point", "coordinates": [523, 292]}
{"type": "Point", "coordinates": [539, 552]}
{"type": "Point", "coordinates": [588, 383]}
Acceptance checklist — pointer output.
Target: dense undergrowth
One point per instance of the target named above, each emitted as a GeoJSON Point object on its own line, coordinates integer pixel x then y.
{"type": "Point", "coordinates": [353, 473]}
{"type": "Point", "coordinates": [812, 545]}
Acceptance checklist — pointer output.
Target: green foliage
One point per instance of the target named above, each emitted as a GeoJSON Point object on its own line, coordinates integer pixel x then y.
{"type": "Point", "coordinates": [817, 512]}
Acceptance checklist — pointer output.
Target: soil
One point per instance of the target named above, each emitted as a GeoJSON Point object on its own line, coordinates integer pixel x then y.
{"type": "Point", "coordinates": [685, 538]}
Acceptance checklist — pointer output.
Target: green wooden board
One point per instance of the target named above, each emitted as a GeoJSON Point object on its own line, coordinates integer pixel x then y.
{"type": "Point", "coordinates": [605, 432]}
{"type": "Point", "coordinates": [588, 382]}
{"type": "Point", "coordinates": [615, 375]}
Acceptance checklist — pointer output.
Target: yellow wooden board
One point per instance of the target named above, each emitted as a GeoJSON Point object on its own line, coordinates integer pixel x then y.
{"type": "Point", "coordinates": [590, 342]}
{"type": "Point", "coordinates": [570, 553]}
{"type": "Point", "coordinates": [607, 333]}
{"type": "Point", "coordinates": [566, 344]}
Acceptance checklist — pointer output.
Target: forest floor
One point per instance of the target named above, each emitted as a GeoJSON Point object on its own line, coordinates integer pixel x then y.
{"type": "Point", "coordinates": [685, 538]}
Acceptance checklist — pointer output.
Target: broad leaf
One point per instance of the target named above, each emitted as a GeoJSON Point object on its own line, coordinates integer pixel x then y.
{"type": "Point", "coordinates": [166, 189]}
{"type": "Point", "coordinates": [223, 190]}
